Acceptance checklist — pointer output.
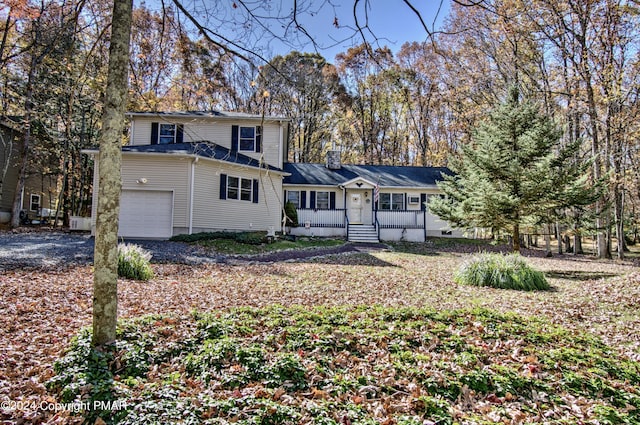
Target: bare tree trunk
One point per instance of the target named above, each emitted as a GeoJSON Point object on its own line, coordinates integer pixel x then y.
{"type": "Point", "coordinates": [105, 281]}
{"type": "Point", "coordinates": [619, 219]}
{"type": "Point", "coordinates": [516, 237]}
{"type": "Point", "coordinates": [547, 239]}
{"type": "Point", "coordinates": [26, 141]}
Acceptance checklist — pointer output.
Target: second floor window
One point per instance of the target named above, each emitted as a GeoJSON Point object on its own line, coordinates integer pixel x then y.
{"type": "Point", "coordinates": [167, 134]}
{"type": "Point", "coordinates": [246, 138]}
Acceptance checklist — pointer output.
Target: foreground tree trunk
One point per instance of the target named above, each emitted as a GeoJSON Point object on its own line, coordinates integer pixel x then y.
{"type": "Point", "coordinates": [105, 280]}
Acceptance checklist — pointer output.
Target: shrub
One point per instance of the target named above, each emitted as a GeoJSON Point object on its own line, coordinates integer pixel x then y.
{"type": "Point", "coordinates": [501, 271]}
{"type": "Point", "coordinates": [291, 213]}
{"type": "Point", "coordinates": [133, 262]}
{"type": "Point", "coordinates": [249, 238]}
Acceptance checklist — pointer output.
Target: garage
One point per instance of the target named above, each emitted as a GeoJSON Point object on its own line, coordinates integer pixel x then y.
{"type": "Point", "coordinates": [146, 214]}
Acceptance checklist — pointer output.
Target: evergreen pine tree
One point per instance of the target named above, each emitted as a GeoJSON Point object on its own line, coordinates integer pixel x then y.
{"type": "Point", "coordinates": [515, 172]}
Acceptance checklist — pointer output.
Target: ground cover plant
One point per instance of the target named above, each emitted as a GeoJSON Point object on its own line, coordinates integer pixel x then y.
{"type": "Point", "coordinates": [250, 243]}
{"type": "Point", "coordinates": [358, 365]}
{"type": "Point", "coordinates": [44, 308]}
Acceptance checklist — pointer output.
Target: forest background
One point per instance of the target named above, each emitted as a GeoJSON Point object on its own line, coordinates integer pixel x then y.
{"type": "Point", "coordinates": [416, 105]}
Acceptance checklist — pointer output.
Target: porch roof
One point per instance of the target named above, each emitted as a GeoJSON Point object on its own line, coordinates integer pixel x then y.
{"type": "Point", "coordinates": [384, 175]}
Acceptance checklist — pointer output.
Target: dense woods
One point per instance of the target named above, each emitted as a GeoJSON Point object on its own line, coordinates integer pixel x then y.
{"type": "Point", "coordinates": [577, 61]}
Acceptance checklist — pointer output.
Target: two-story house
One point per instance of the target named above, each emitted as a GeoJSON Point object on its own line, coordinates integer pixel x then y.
{"type": "Point", "coordinates": [189, 172]}
{"type": "Point", "coordinates": [199, 171]}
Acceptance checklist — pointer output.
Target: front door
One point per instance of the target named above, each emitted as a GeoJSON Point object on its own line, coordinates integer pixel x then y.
{"type": "Point", "coordinates": [355, 208]}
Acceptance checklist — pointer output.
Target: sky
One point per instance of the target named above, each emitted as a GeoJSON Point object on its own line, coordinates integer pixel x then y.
{"type": "Point", "coordinates": [391, 21]}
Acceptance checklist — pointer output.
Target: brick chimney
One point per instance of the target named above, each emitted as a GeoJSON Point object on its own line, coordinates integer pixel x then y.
{"type": "Point", "coordinates": [333, 160]}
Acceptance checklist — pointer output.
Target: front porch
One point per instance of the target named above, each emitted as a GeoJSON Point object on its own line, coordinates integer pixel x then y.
{"type": "Point", "coordinates": [387, 225]}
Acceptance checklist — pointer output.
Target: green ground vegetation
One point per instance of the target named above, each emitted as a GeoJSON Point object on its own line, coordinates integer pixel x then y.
{"type": "Point", "coordinates": [361, 365]}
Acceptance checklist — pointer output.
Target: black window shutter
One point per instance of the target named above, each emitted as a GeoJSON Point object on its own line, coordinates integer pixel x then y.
{"type": "Point", "coordinates": [255, 190]}
{"type": "Point", "coordinates": [259, 138]}
{"type": "Point", "coordinates": [405, 201]}
{"type": "Point", "coordinates": [154, 133]}
{"type": "Point", "coordinates": [303, 199]}
{"type": "Point", "coordinates": [234, 137]}
{"type": "Point", "coordinates": [285, 198]}
{"type": "Point", "coordinates": [423, 201]}
{"type": "Point", "coordinates": [332, 200]}
{"type": "Point", "coordinates": [223, 186]}
{"type": "Point", "coordinates": [179, 133]}
{"type": "Point", "coordinates": [312, 199]}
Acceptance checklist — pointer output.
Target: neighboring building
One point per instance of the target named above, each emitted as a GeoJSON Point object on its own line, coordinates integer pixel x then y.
{"type": "Point", "coordinates": [39, 196]}
{"type": "Point", "coordinates": [206, 171]}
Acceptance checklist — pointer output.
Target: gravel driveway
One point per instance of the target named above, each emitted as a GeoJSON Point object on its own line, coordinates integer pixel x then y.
{"type": "Point", "coordinates": [51, 249]}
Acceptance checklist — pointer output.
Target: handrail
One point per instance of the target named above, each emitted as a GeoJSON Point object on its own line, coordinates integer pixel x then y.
{"type": "Point", "coordinates": [346, 218]}
{"type": "Point", "coordinates": [377, 224]}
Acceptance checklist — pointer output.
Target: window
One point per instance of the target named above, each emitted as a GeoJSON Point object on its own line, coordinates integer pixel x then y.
{"type": "Point", "coordinates": [322, 200]}
{"type": "Point", "coordinates": [34, 203]}
{"type": "Point", "coordinates": [167, 134]}
{"type": "Point", "coordinates": [414, 199]}
{"type": "Point", "coordinates": [293, 196]}
{"type": "Point", "coordinates": [248, 139]}
{"type": "Point", "coordinates": [391, 201]}
{"type": "Point", "coordinates": [239, 188]}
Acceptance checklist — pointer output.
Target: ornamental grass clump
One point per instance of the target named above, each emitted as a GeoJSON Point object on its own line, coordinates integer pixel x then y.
{"type": "Point", "coordinates": [133, 262]}
{"type": "Point", "coordinates": [501, 271]}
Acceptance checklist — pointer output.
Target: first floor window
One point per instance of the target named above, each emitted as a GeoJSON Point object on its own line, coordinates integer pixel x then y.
{"type": "Point", "coordinates": [167, 134]}
{"type": "Point", "coordinates": [293, 196]}
{"type": "Point", "coordinates": [239, 188]}
{"type": "Point", "coordinates": [391, 201]}
{"type": "Point", "coordinates": [34, 203]}
{"type": "Point", "coordinates": [322, 200]}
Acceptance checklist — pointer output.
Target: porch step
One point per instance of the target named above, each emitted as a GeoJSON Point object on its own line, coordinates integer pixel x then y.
{"type": "Point", "coordinates": [363, 233]}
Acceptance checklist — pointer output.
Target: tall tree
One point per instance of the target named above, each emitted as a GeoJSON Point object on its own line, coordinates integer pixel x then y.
{"type": "Point", "coordinates": [509, 176]}
{"type": "Point", "coordinates": [105, 280]}
{"type": "Point", "coordinates": [302, 86]}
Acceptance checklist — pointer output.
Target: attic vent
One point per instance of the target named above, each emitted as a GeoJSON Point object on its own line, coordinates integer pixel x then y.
{"type": "Point", "coordinates": [333, 160]}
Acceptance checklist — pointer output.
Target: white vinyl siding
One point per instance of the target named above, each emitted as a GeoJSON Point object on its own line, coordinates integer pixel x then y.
{"type": "Point", "coordinates": [212, 213]}
{"type": "Point", "coordinates": [215, 131]}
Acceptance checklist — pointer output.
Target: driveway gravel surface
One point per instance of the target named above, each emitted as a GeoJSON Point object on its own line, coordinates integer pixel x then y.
{"type": "Point", "coordinates": [52, 249]}
{"type": "Point", "coordinates": [39, 248]}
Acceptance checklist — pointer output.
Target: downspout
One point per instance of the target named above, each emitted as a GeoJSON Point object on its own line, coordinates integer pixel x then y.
{"type": "Point", "coordinates": [281, 147]}
{"type": "Point", "coordinates": [344, 204]}
{"type": "Point", "coordinates": [191, 190]}
{"type": "Point", "coordinates": [133, 131]}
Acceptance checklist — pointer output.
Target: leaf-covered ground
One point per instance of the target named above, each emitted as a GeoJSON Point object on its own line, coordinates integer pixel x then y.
{"type": "Point", "coordinates": [44, 309]}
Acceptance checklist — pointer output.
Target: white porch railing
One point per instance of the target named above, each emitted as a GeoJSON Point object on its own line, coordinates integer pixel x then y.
{"type": "Point", "coordinates": [321, 218]}
{"type": "Point", "coordinates": [401, 219]}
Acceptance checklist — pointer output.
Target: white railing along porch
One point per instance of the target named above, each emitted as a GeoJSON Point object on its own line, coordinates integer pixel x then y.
{"type": "Point", "coordinates": [321, 218]}
{"type": "Point", "coordinates": [401, 219]}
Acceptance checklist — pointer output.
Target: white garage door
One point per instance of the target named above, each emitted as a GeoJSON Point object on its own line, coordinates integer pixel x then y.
{"type": "Point", "coordinates": [146, 214]}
